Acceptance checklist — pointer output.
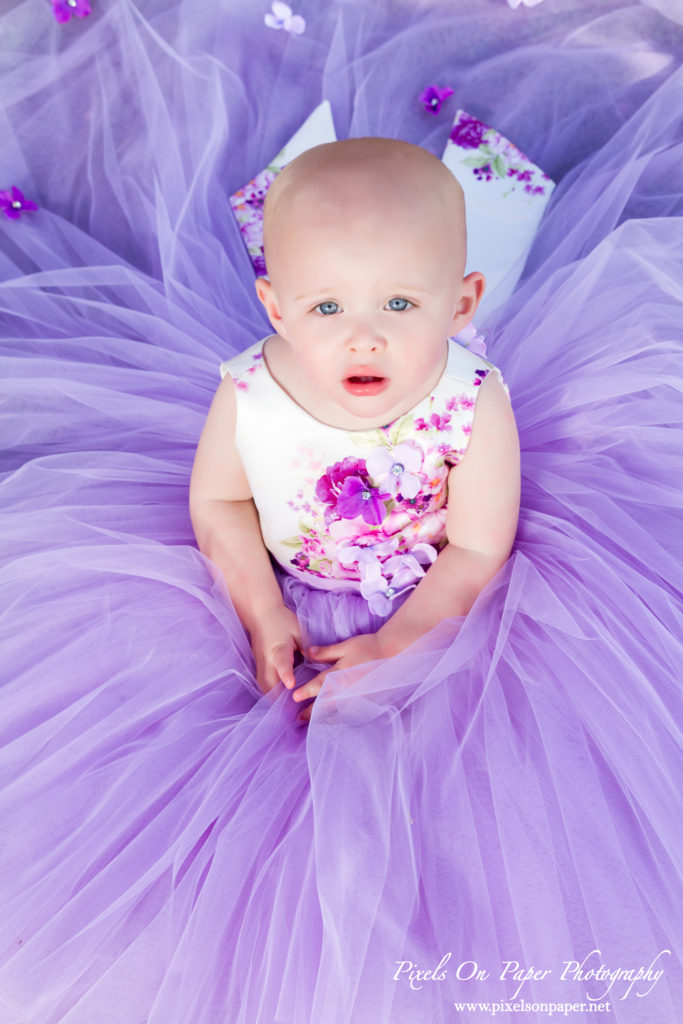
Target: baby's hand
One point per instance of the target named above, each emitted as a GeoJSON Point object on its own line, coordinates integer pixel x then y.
{"type": "Point", "coordinates": [275, 639]}
{"type": "Point", "coordinates": [354, 651]}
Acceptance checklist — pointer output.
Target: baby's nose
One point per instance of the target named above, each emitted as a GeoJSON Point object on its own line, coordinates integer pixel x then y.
{"type": "Point", "coordinates": [365, 338]}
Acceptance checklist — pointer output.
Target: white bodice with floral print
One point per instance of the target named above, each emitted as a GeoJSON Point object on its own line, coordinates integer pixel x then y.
{"type": "Point", "coordinates": [363, 510]}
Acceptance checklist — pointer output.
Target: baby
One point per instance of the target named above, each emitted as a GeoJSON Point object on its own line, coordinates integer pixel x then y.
{"type": "Point", "coordinates": [365, 248]}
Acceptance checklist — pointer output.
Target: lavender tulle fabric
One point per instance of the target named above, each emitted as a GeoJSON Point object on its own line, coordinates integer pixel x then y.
{"type": "Point", "coordinates": [175, 847]}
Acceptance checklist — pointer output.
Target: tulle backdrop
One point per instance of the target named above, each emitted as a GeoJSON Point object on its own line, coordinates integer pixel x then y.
{"type": "Point", "coordinates": [175, 849]}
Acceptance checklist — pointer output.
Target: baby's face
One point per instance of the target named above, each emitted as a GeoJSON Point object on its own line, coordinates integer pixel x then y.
{"type": "Point", "coordinates": [366, 295]}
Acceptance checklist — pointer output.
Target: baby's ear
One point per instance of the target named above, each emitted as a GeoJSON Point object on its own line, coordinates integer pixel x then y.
{"type": "Point", "coordinates": [264, 290]}
{"type": "Point", "coordinates": [471, 292]}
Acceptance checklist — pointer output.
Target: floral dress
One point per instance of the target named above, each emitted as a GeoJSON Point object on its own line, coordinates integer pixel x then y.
{"type": "Point", "coordinates": [361, 510]}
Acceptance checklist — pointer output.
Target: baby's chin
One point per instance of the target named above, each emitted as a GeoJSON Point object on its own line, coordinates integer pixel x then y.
{"type": "Point", "coordinates": [368, 411]}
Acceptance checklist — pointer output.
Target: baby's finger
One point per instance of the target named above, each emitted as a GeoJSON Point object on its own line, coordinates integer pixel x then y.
{"type": "Point", "coordinates": [310, 689]}
{"type": "Point", "coordinates": [283, 663]}
{"type": "Point", "coordinates": [330, 652]}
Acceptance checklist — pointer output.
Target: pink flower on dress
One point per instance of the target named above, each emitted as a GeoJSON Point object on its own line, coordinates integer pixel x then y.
{"type": "Point", "coordinates": [433, 98]}
{"type": "Point", "coordinates": [435, 422]}
{"type": "Point", "coordinates": [14, 203]}
{"type": "Point", "coordinates": [330, 484]}
{"type": "Point", "coordinates": [64, 10]}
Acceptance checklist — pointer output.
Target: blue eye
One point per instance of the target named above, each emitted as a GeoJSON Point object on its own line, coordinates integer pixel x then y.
{"type": "Point", "coordinates": [327, 308]}
{"type": "Point", "coordinates": [398, 305]}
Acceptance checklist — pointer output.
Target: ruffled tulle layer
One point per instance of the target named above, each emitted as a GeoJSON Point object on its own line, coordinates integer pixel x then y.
{"type": "Point", "coordinates": [176, 847]}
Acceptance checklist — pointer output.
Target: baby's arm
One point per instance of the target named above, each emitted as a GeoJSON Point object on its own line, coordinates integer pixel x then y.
{"type": "Point", "coordinates": [481, 523]}
{"type": "Point", "coordinates": [226, 525]}
{"type": "Point", "coordinates": [483, 509]}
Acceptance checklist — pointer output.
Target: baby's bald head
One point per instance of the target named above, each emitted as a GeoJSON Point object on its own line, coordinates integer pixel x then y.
{"type": "Point", "coordinates": [365, 181]}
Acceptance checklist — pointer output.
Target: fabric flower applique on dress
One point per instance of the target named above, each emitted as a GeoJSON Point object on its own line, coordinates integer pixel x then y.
{"type": "Point", "coordinates": [346, 492]}
{"type": "Point", "coordinates": [381, 582]}
{"type": "Point", "coordinates": [396, 469]}
{"type": "Point", "coordinates": [14, 202]}
{"type": "Point", "coordinates": [358, 498]}
{"type": "Point", "coordinates": [433, 97]}
{"type": "Point", "coordinates": [282, 17]}
{"type": "Point", "coordinates": [64, 10]}
{"type": "Point", "coordinates": [496, 157]}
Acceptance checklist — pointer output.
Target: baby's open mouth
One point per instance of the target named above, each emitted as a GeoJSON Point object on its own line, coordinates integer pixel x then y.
{"type": "Point", "coordinates": [365, 384]}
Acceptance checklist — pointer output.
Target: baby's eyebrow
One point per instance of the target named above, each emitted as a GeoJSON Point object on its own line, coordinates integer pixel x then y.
{"type": "Point", "coordinates": [314, 295]}
{"type": "Point", "coordinates": [389, 291]}
{"type": "Point", "coordinates": [412, 288]}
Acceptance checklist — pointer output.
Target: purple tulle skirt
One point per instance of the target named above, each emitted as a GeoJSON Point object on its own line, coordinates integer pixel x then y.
{"type": "Point", "coordinates": [487, 825]}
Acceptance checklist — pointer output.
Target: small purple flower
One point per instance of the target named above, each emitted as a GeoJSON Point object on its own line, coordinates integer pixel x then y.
{"type": "Point", "coordinates": [358, 498]}
{"type": "Point", "coordinates": [484, 172]}
{"type": "Point", "coordinates": [64, 10]}
{"type": "Point", "coordinates": [481, 374]}
{"type": "Point", "coordinates": [301, 560]}
{"type": "Point", "coordinates": [433, 98]}
{"type": "Point", "coordinates": [14, 203]}
{"type": "Point", "coordinates": [467, 132]}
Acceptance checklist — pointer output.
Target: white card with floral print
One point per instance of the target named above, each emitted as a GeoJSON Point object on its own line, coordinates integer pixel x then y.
{"type": "Point", "coordinates": [505, 197]}
{"type": "Point", "coordinates": [247, 202]}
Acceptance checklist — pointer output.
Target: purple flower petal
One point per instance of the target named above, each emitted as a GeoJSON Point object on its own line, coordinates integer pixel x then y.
{"type": "Point", "coordinates": [379, 604]}
{"type": "Point", "coordinates": [358, 498]}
